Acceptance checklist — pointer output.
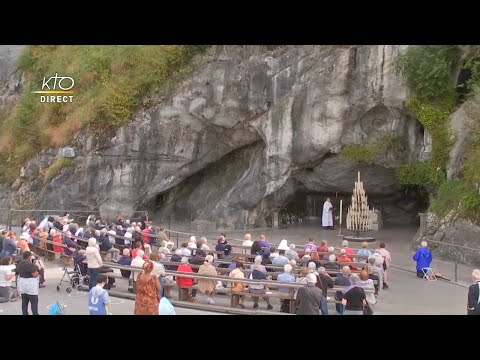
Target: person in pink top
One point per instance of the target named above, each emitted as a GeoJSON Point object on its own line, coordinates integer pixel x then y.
{"type": "Point", "coordinates": [388, 259]}
{"type": "Point", "coordinates": [310, 245]}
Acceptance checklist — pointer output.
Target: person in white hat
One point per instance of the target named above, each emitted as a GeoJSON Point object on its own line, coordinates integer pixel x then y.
{"type": "Point", "coordinates": [283, 245]}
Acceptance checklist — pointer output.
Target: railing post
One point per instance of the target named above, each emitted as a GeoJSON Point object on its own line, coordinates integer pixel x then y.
{"type": "Point", "coordinates": [169, 219]}
{"type": "Point", "coordinates": [456, 266]}
{"type": "Point", "coordinates": [9, 218]}
{"type": "Point", "coordinates": [177, 240]}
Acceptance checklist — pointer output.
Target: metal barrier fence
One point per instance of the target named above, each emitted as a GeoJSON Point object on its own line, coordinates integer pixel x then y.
{"type": "Point", "coordinates": [16, 216]}
{"type": "Point", "coordinates": [455, 263]}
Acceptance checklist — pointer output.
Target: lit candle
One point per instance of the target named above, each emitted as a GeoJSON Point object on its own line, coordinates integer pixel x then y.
{"type": "Point", "coordinates": [341, 207]}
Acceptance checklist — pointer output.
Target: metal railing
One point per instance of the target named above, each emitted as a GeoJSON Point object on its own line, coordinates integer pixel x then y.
{"type": "Point", "coordinates": [455, 263]}
{"type": "Point", "coordinates": [39, 214]}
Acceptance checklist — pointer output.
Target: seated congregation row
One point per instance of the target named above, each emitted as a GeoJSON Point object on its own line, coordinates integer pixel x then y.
{"type": "Point", "coordinates": [197, 257]}
{"type": "Point", "coordinates": [111, 237]}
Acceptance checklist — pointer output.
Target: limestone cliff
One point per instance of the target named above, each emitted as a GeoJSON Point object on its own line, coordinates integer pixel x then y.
{"type": "Point", "coordinates": [240, 135]}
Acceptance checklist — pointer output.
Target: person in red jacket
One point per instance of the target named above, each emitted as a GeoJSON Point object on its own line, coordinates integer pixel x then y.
{"type": "Point", "coordinates": [344, 258]}
{"type": "Point", "coordinates": [323, 249]}
{"type": "Point", "coordinates": [58, 239]}
{"type": "Point", "coordinates": [183, 282]}
{"type": "Point", "coordinates": [138, 246]}
{"type": "Point", "coordinates": [349, 251]}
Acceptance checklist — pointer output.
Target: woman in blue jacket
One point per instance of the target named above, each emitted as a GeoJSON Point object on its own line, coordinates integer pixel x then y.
{"type": "Point", "coordinates": [423, 257]}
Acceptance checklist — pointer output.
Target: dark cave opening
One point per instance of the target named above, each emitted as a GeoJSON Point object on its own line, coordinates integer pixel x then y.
{"type": "Point", "coordinates": [400, 208]}
{"type": "Point", "coordinates": [462, 85]}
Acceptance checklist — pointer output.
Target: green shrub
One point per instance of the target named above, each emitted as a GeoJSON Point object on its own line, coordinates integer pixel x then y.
{"type": "Point", "coordinates": [417, 173]}
{"type": "Point", "coordinates": [472, 64]}
{"type": "Point", "coordinates": [368, 153]}
{"type": "Point", "coordinates": [447, 197]}
{"type": "Point", "coordinates": [435, 118]}
{"type": "Point", "coordinates": [57, 166]}
{"type": "Point", "coordinates": [111, 84]}
{"type": "Point", "coordinates": [428, 70]}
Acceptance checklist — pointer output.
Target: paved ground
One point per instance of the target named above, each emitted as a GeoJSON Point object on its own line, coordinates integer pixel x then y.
{"type": "Point", "coordinates": [407, 294]}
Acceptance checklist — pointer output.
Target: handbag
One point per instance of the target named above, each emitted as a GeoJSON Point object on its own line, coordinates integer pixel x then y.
{"type": "Point", "coordinates": [315, 300]}
{"type": "Point", "coordinates": [367, 310]}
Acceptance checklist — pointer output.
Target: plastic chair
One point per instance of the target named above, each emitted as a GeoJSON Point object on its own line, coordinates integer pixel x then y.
{"type": "Point", "coordinates": [428, 274]}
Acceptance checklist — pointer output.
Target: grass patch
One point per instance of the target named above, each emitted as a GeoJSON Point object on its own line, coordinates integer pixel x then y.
{"type": "Point", "coordinates": [111, 84]}
{"type": "Point", "coordinates": [57, 166]}
{"type": "Point", "coordinates": [417, 173]}
{"type": "Point", "coordinates": [370, 153]}
{"type": "Point", "coordinates": [463, 195]}
{"type": "Point", "coordinates": [427, 70]}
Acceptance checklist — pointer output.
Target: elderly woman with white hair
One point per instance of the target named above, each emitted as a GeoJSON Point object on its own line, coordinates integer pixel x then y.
{"type": "Point", "coordinates": [192, 242]}
{"type": "Point", "coordinates": [348, 250]}
{"type": "Point", "coordinates": [291, 253]}
{"type": "Point", "coordinates": [258, 261]}
{"type": "Point", "coordinates": [354, 298]}
{"type": "Point", "coordinates": [473, 306]}
{"type": "Point", "coordinates": [312, 268]}
{"type": "Point", "coordinates": [423, 257]}
{"type": "Point", "coordinates": [258, 273]}
{"type": "Point", "coordinates": [332, 264]}
{"type": "Point", "coordinates": [204, 244]}
{"type": "Point", "coordinates": [375, 272]}
{"type": "Point", "coordinates": [307, 255]}
{"type": "Point", "coordinates": [286, 276]}
{"type": "Point", "coordinates": [186, 283]}
{"type": "Point", "coordinates": [94, 262]}
{"type": "Point", "coordinates": [323, 247]}
{"type": "Point", "coordinates": [207, 286]}
{"type": "Point", "coordinates": [247, 240]}
{"type": "Point", "coordinates": [128, 235]}
{"type": "Point", "coordinates": [343, 257]}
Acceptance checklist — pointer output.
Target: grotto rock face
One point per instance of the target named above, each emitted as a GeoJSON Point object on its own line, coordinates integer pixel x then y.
{"type": "Point", "coordinates": [239, 136]}
{"type": "Point", "coordinates": [450, 230]}
{"type": "Point", "coordinates": [9, 55]}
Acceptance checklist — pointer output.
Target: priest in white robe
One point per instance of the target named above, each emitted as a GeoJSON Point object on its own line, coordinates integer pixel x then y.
{"type": "Point", "coordinates": [327, 216]}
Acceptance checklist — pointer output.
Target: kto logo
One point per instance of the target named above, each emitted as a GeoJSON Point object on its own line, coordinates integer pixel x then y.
{"type": "Point", "coordinates": [58, 85]}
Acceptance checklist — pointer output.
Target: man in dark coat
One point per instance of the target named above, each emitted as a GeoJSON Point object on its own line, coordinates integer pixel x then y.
{"type": "Point", "coordinates": [473, 307]}
{"type": "Point", "coordinates": [309, 297]}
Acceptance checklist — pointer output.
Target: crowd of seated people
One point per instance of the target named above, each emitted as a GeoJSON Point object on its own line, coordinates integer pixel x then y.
{"type": "Point", "coordinates": [139, 241]}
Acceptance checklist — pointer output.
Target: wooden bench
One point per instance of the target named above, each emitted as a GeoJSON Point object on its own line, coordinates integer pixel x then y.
{"type": "Point", "coordinates": [183, 292]}
{"type": "Point", "coordinates": [50, 255]}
